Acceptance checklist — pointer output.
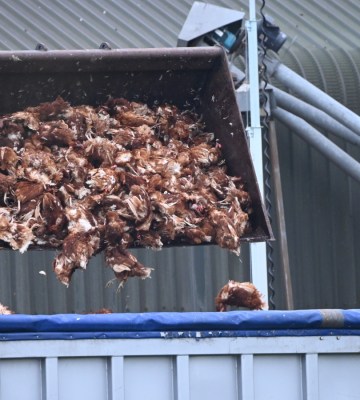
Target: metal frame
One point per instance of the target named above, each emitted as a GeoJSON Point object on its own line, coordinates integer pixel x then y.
{"type": "Point", "coordinates": [173, 347]}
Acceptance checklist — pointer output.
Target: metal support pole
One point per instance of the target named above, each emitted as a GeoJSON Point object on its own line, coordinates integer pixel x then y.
{"type": "Point", "coordinates": [258, 268]}
{"type": "Point", "coordinates": [280, 213]}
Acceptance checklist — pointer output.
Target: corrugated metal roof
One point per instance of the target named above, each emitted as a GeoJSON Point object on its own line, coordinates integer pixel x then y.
{"type": "Point", "coordinates": [73, 24]}
{"type": "Point", "coordinates": [321, 203]}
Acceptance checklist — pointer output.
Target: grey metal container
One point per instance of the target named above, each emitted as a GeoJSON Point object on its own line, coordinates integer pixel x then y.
{"type": "Point", "coordinates": [195, 78]}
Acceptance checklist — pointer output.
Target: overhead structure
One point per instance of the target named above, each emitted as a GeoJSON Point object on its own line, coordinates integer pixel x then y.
{"type": "Point", "coordinates": [209, 25]}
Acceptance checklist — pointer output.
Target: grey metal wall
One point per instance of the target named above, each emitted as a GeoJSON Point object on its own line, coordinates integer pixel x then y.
{"type": "Point", "coordinates": [321, 203]}
{"type": "Point", "coordinates": [184, 279]}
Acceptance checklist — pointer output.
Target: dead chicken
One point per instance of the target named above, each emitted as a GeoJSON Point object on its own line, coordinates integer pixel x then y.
{"type": "Point", "coordinates": [101, 311]}
{"type": "Point", "coordinates": [26, 190]}
{"type": "Point", "coordinates": [7, 187]}
{"type": "Point", "coordinates": [12, 131]}
{"type": "Point", "coordinates": [135, 114]}
{"type": "Point", "coordinates": [38, 166]}
{"type": "Point", "coordinates": [102, 180]}
{"type": "Point", "coordinates": [78, 247]}
{"type": "Point", "coordinates": [56, 133]}
{"type": "Point", "coordinates": [101, 151]}
{"type": "Point", "coordinates": [50, 111]}
{"type": "Point", "coordinates": [18, 235]}
{"type": "Point", "coordinates": [8, 159]}
{"type": "Point", "coordinates": [225, 231]}
{"type": "Point", "coordinates": [124, 264]}
{"type": "Point", "coordinates": [82, 242]}
{"type": "Point", "coordinates": [115, 227]}
{"type": "Point", "coordinates": [53, 215]}
{"type": "Point", "coordinates": [4, 310]}
{"type": "Point", "coordinates": [239, 294]}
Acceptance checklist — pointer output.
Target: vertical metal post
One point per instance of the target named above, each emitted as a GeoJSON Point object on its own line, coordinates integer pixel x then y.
{"type": "Point", "coordinates": [258, 267]}
{"type": "Point", "coordinates": [50, 378]}
{"type": "Point", "coordinates": [280, 213]}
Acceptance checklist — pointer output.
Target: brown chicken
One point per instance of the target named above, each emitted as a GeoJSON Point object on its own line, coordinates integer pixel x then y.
{"type": "Point", "coordinates": [4, 310]}
{"type": "Point", "coordinates": [125, 264]}
{"type": "Point", "coordinates": [239, 294]}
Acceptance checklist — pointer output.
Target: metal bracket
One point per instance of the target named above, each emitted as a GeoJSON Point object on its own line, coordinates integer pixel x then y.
{"type": "Point", "coordinates": [41, 47]}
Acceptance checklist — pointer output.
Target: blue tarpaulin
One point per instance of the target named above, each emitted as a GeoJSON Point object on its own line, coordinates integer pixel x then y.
{"type": "Point", "coordinates": [175, 325]}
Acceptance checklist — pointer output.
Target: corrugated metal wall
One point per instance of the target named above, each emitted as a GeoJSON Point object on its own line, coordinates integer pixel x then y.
{"type": "Point", "coordinates": [321, 203]}
{"type": "Point", "coordinates": [184, 279]}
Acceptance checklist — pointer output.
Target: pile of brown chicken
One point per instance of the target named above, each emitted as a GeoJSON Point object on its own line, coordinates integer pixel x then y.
{"type": "Point", "coordinates": [84, 179]}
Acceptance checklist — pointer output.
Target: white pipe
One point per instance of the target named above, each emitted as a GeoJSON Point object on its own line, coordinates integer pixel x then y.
{"type": "Point", "coordinates": [314, 115]}
{"type": "Point", "coordinates": [258, 268]}
{"type": "Point", "coordinates": [320, 142]}
{"type": "Point", "coordinates": [313, 95]}
{"type": "Point", "coordinates": [253, 69]}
